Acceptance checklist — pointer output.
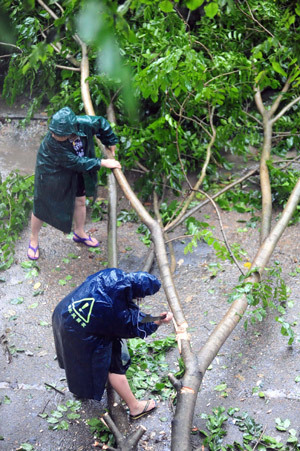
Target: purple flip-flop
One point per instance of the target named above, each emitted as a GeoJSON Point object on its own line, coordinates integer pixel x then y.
{"type": "Point", "coordinates": [34, 249]}
{"type": "Point", "coordinates": [84, 241]}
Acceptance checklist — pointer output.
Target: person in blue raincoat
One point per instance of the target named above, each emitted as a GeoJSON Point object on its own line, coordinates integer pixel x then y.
{"type": "Point", "coordinates": [88, 325]}
{"type": "Point", "coordinates": [66, 172]}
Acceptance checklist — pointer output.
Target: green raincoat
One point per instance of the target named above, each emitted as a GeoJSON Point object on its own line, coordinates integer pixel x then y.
{"type": "Point", "coordinates": [57, 166]}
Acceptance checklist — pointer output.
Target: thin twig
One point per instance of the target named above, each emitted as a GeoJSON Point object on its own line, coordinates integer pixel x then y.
{"type": "Point", "coordinates": [251, 16]}
{"type": "Point", "coordinates": [44, 407]}
{"type": "Point", "coordinates": [74, 69]}
{"type": "Point", "coordinates": [208, 51]}
{"type": "Point", "coordinates": [221, 75]}
{"type": "Point", "coordinates": [54, 388]}
{"type": "Point", "coordinates": [259, 438]}
{"type": "Point", "coordinates": [253, 117]}
{"type": "Point", "coordinates": [222, 230]}
{"type": "Point", "coordinates": [11, 45]}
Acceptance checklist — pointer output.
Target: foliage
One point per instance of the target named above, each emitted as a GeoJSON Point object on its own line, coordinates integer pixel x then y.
{"type": "Point", "coordinates": [127, 216]}
{"type": "Point", "coordinates": [147, 362]}
{"type": "Point", "coordinates": [252, 432]}
{"type": "Point", "coordinates": [102, 432]}
{"type": "Point", "coordinates": [63, 415]}
{"type": "Point", "coordinates": [98, 209]}
{"type": "Point", "coordinates": [282, 183]}
{"type": "Point", "coordinates": [145, 234]}
{"type": "Point", "coordinates": [183, 64]}
{"type": "Point", "coordinates": [240, 200]}
{"type": "Point", "coordinates": [16, 193]}
{"type": "Point", "coordinates": [202, 231]}
{"type": "Point", "coordinates": [269, 293]}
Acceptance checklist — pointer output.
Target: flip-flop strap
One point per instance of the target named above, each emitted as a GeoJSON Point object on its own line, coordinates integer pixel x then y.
{"type": "Point", "coordinates": [34, 249]}
{"type": "Point", "coordinates": [146, 406]}
{"type": "Point", "coordinates": [82, 239]}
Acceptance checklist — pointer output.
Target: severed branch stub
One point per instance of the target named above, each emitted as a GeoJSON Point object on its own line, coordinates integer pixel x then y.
{"type": "Point", "coordinates": [124, 443]}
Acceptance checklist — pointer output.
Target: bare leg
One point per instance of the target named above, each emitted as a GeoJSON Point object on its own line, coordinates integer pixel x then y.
{"type": "Point", "coordinates": [119, 383]}
{"type": "Point", "coordinates": [79, 219]}
{"type": "Point", "coordinates": [36, 225]}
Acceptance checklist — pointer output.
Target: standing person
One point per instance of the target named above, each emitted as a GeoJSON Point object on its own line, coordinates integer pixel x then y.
{"type": "Point", "coordinates": [88, 326]}
{"type": "Point", "coordinates": [66, 172]}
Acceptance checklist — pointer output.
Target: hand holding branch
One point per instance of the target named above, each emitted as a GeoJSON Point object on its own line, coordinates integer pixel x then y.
{"type": "Point", "coordinates": [110, 163]}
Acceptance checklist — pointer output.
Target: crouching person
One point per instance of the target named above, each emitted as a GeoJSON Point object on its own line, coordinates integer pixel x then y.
{"type": "Point", "coordinates": [89, 325]}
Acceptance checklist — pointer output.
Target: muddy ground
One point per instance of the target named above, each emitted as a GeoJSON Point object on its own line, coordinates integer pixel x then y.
{"type": "Point", "coordinates": [258, 357]}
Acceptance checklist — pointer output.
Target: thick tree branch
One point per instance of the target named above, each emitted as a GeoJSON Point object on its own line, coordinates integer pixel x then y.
{"type": "Point", "coordinates": [285, 109]}
{"type": "Point", "coordinates": [239, 306]}
{"type": "Point", "coordinates": [277, 101]}
{"type": "Point", "coordinates": [112, 207]}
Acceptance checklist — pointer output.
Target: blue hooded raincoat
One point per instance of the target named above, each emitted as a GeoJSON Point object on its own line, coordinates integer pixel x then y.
{"type": "Point", "coordinates": [88, 320]}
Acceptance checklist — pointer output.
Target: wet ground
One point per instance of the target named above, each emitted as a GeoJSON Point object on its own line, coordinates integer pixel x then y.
{"type": "Point", "coordinates": [259, 359]}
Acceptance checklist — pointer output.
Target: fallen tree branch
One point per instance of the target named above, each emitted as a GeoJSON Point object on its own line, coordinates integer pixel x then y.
{"type": "Point", "coordinates": [170, 246]}
{"type": "Point", "coordinates": [214, 196]}
{"type": "Point", "coordinates": [116, 409]}
{"type": "Point", "coordinates": [268, 122]}
{"type": "Point", "coordinates": [127, 443]}
{"type": "Point", "coordinates": [187, 394]}
{"type": "Point", "coordinates": [112, 207]}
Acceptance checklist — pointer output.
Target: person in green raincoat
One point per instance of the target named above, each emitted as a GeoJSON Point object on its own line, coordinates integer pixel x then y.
{"type": "Point", "coordinates": [66, 172]}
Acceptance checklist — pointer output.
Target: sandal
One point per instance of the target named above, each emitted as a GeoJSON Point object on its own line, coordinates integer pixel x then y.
{"type": "Point", "coordinates": [84, 241]}
{"type": "Point", "coordinates": [35, 250]}
{"type": "Point", "coordinates": [144, 412]}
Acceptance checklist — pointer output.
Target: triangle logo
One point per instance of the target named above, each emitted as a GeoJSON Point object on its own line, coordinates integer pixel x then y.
{"type": "Point", "coordinates": [83, 308]}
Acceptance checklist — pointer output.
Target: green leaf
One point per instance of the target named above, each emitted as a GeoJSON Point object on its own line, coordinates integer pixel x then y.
{"type": "Point", "coordinates": [211, 9]}
{"type": "Point", "coordinates": [17, 301]}
{"type": "Point", "coordinates": [73, 416]}
{"type": "Point", "coordinates": [282, 425]}
{"type": "Point", "coordinates": [6, 400]}
{"type": "Point", "coordinates": [276, 66]}
{"type": "Point", "coordinates": [194, 4]}
{"type": "Point", "coordinates": [26, 447]}
{"type": "Point", "coordinates": [52, 420]}
{"type": "Point", "coordinates": [166, 6]}
{"type": "Point", "coordinates": [63, 425]}
{"type": "Point", "coordinates": [221, 387]}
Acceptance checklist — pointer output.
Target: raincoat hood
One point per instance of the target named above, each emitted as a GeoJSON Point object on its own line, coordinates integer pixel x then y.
{"type": "Point", "coordinates": [64, 123]}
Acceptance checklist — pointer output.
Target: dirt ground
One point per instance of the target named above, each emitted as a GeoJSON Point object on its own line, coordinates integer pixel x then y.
{"type": "Point", "coordinates": [258, 357]}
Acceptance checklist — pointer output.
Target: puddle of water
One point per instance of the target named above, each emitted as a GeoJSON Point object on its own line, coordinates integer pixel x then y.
{"type": "Point", "coordinates": [18, 147]}
{"type": "Point", "coordinates": [199, 255]}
